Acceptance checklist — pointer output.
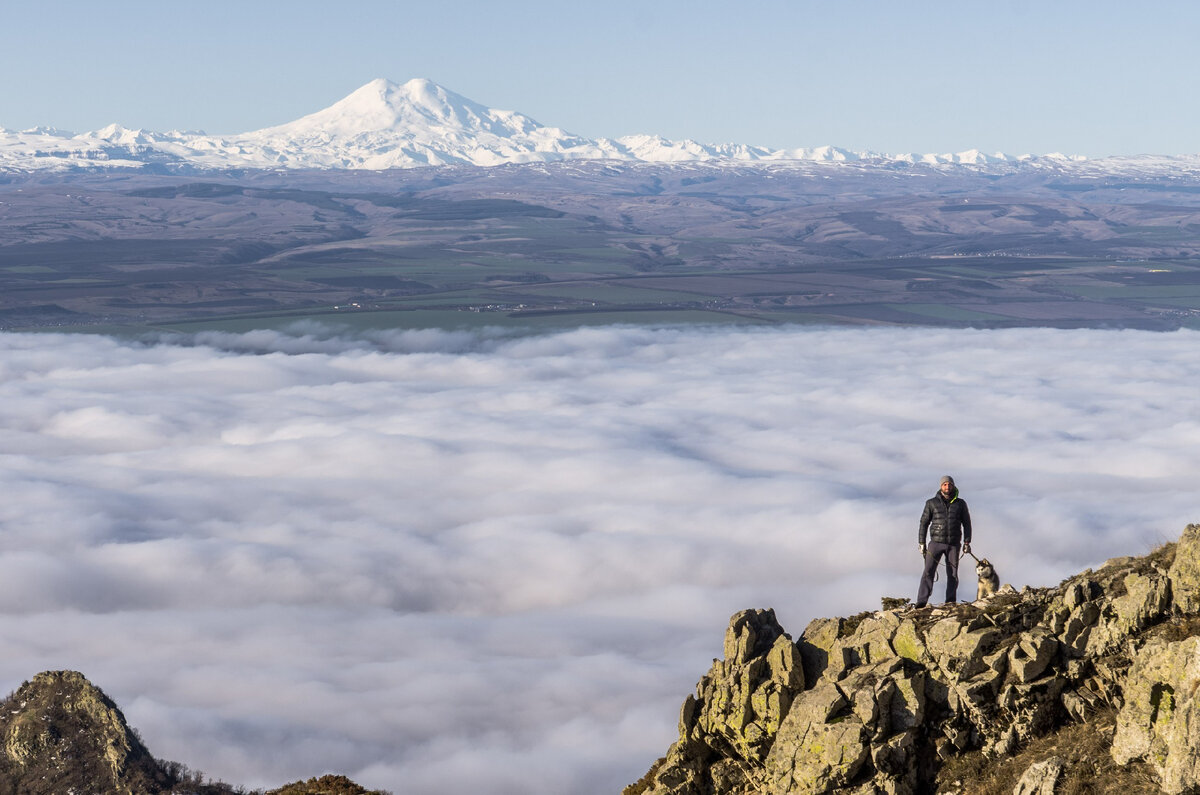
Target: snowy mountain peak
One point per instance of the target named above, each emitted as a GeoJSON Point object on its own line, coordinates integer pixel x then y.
{"type": "Point", "coordinates": [382, 106]}
{"type": "Point", "coordinates": [116, 134]}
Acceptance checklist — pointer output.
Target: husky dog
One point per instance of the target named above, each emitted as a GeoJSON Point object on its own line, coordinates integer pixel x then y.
{"type": "Point", "coordinates": [989, 581]}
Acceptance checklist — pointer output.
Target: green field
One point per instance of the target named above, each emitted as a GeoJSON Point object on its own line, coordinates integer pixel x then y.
{"type": "Point", "coordinates": [452, 320]}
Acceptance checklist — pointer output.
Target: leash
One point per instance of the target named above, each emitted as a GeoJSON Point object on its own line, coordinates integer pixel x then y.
{"type": "Point", "coordinates": [935, 570]}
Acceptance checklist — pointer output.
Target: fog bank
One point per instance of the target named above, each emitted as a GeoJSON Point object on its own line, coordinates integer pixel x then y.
{"type": "Point", "coordinates": [454, 562]}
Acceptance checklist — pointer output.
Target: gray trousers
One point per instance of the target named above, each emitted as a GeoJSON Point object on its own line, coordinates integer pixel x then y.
{"type": "Point", "coordinates": [932, 553]}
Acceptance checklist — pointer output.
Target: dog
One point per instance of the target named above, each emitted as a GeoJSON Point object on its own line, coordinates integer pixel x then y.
{"type": "Point", "coordinates": [989, 580]}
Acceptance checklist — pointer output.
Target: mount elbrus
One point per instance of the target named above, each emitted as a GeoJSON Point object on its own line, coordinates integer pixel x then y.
{"type": "Point", "coordinates": [1086, 687]}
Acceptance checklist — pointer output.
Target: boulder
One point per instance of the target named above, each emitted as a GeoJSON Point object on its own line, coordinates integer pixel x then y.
{"type": "Point", "coordinates": [1160, 719]}
{"type": "Point", "coordinates": [1040, 778]}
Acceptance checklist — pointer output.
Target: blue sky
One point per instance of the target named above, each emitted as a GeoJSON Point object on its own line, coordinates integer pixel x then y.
{"type": "Point", "coordinates": [1093, 78]}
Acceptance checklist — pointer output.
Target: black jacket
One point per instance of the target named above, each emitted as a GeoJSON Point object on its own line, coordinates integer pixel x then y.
{"type": "Point", "coordinates": [946, 519]}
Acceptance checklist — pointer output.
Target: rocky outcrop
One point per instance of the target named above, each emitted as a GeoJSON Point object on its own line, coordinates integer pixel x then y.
{"type": "Point", "coordinates": [726, 729]}
{"type": "Point", "coordinates": [61, 734]}
{"type": "Point", "coordinates": [882, 702]}
{"type": "Point", "coordinates": [324, 785]}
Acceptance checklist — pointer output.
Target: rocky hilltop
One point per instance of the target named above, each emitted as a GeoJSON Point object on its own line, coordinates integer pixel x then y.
{"type": "Point", "coordinates": [1087, 687]}
{"type": "Point", "coordinates": [61, 734]}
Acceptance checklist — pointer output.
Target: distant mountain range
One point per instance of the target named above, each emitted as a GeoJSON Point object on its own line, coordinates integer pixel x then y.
{"type": "Point", "coordinates": [385, 125]}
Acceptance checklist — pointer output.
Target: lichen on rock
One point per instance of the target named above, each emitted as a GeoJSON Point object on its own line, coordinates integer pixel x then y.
{"type": "Point", "coordinates": [1160, 720]}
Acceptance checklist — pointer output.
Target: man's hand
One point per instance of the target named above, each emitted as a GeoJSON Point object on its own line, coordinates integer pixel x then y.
{"type": "Point", "coordinates": [922, 548]}
{"type": "Point", "coordinates": [966, 547]}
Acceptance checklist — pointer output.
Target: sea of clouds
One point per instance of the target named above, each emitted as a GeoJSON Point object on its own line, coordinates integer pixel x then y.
{"type": "Point", "coordinates": [476, 562]}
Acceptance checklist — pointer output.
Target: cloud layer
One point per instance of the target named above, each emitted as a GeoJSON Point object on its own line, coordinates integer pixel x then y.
{"type": "Point", "coordinates": [451, 563]}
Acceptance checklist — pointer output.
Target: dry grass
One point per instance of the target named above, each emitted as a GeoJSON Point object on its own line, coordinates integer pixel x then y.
{"type": "Point", "coordinates": [1175, 628]}
{"type": "Point", "coordinates": [1084, 748]}
{"type": "Point", "coordinates": [643, 783]}
{"type": "Point", "coordinates": [850, 624]}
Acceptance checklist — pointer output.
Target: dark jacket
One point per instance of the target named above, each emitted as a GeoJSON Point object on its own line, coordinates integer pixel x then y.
{"type": "Point", "coordinates": [946, 519]}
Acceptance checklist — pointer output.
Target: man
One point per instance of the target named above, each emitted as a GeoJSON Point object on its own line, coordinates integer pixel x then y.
{"type": "Point", "coordinates": [948, 523]}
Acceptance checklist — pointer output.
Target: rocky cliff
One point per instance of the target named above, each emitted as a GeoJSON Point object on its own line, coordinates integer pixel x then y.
{"type": "Point", "coordinates": [61, 734]}
{"type": "Point", "coordinates": [1089, 686]}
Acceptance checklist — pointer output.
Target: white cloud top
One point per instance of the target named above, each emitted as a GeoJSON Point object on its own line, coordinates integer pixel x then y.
{"type": "Point", "coordinates": [453, 563]}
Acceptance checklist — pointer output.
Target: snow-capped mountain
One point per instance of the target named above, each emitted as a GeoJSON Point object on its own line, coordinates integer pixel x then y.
{"type": "Point", "coordinates": [387, 125]}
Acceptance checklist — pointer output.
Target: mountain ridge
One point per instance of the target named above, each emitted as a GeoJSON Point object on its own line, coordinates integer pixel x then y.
{"type": "Point", "coordinates": [385, 125]}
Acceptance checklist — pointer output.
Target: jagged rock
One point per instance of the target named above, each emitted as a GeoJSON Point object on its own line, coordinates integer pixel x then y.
{"type": "Point", "coordinates": [1082, 702]}
{"type": "Point", "coordinates": [742, 701]}
{"type": "Point", "coordinates": [1032, 710]}
{"type": "Point", "coordinates": [738, 707]}
{"type": "Point", "coordinates": [958, 649]}
{"type": "Point", "coordinates": [1185, 571]}
{"type": "Point", "coordinates": [835, 728]}
{"type": "Point", "coordinates": [1032, 654]}
{"type": "Point", "coordinates": [1040, 778]}
{"type": "Point", "coordinates": [1160, 721]}
{"type": "Point", "coordinates": [1077, 628]}
{"type": "Point", "coordinates": [1146, 599]}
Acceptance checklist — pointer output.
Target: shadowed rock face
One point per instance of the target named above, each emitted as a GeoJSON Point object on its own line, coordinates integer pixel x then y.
{"type": "Point", "coordinates": [879, 702]}
{"type": "Point", "coordinates": [62, 734]}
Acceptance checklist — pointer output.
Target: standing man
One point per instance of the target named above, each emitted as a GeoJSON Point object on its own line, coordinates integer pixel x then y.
{"type": "Point", "coordinates": [948, 523]}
